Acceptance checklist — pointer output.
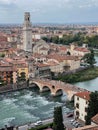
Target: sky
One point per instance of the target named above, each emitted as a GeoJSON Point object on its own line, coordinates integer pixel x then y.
{"type": "Point", "coordinates": [49, 11]}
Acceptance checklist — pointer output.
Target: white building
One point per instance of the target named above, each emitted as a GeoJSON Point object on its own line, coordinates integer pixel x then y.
{"type": "Point", "coordinates": [36, 36]}
{"type": "Point", "coordinates": [78, 51]}
{"type": "Point", "coordinates": [81, 104]}
{"type": "Point", "coordinates": [27, 33]}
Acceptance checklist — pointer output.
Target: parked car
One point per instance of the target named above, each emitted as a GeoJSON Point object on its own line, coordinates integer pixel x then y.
{"type": "Point", "coordinates": [38, 123]}
{"type": "Point", "coordinates": [77, 124]}
{"type": "Point", "coordinates": [72, 121]}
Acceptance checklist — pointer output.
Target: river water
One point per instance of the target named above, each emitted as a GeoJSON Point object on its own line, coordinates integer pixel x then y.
{"type": "Point", "coordinates": [20, 107]}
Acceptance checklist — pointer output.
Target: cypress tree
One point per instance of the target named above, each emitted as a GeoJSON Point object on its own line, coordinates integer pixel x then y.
{"type": "Point", "coordinates": [92, 107]}
{"type": "Point", "coordinates": [58, 119]}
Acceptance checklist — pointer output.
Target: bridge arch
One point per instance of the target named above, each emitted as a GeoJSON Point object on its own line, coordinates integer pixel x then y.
{"type": "Point", "coordinates": [38, 85]}
{"type": "Point", "coordinates": [59, 92]}
{"type": "Point", "coordinates": [46, 88]}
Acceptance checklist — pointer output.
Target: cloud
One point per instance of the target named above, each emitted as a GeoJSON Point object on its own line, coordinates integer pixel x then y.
{"type": "Point", "coordinates": [48, 10]}
{"type": "Point", "coordinates": [7, 1]}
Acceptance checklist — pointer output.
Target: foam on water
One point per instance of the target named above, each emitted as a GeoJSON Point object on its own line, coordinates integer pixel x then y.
{"type": "Point", "coordinates": [29, 107]}
{"type": "Point", "coordinates": [44, 102]}
{"type": "Point", "coordinates": [23, 106]}
{"type": "Point", "coordinates": [7, 121]}
{"type": "Point", "coordinates": [27, 96]}
{"type": "Point", "coordinates": [9, 101]}
{"type": "Point", "coordinates": [28, 115]}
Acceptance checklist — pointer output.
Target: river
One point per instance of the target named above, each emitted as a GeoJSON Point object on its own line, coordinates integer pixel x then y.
{"type": "Point", "coordinates": [21, 107]}
{"type": "Point", "coordinates": [91, 85]}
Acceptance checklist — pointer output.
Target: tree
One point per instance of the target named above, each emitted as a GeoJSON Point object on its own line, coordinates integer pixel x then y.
{"type": "Point", "coordinates": [22, 76]}
{"type": "Point", "coordinates": [92, 107]}
{"type": "Point", "coordinates": [89, 58]}
{"type": "Point", "coordinates": [55, 39]}
{"type": "Point", "coordinates": [58, 119]}
{"type": "Point", "coordinates": [2, 55]}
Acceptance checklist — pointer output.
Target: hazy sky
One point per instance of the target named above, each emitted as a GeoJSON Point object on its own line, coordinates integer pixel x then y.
{"type": "Point", "coordinates": [49, 11]}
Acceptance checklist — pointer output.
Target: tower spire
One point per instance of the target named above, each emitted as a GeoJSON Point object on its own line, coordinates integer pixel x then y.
{"type": "Point", "coordinates": [27, 33]}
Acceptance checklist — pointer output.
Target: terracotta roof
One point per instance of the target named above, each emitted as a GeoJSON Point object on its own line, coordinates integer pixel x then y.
{"type": "Point", "coordinates": [52, 63]}
{"type": "Point", "coordinates": [95, 119]}
{"type": "Point", "coordinates": [7, 69]}
{"type": "Point", "coordinates": [61, 58]}
{"type": "Point", "coordinates": [43, 48]}
{"type": "Point", "coordinates": [42, 65]}
{"type": "Point", "coordinates": [62, 48]}
{"type": "Point", "coordinates": [84, 95]}
{"type": "Point", "coordinates": [82, 49]}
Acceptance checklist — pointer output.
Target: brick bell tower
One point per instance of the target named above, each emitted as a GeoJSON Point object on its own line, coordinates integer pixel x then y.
{"type": "Point", "coordinates": [27, 33]}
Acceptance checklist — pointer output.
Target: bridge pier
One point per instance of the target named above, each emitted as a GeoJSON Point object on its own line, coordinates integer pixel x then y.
{"type": "Point", "coordinates": [41, 90]}
{"type": "Point", "coordinates": [53, 94]}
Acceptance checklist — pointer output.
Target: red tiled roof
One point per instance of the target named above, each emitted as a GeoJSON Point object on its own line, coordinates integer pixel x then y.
{"type": "Point", "coordinates": [95, 119]}
{"type": "Point", "coordinates": [43, 48]}
{"type": "Point", "coordinates": [61, 58]}
{"type": "Point", "coordinates": [82, 49]}
{"type": "Point", "coordinates": [84, 95]}
{"type": "Point", "coordinates": [42, 65]}
{"type": "Point", "coordinates": [62, 48]}
{"type": "Point", "coordinates": [52, 63]}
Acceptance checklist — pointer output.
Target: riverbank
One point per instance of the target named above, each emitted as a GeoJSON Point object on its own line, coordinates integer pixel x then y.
{"type": "Point", "coordinates": [13, 87]}
{"type": "Point", "coordinates": [84, 75]}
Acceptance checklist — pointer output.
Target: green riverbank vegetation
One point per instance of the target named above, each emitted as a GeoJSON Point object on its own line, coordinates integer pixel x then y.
{"type": "Point", "coordinates": [84, 75]}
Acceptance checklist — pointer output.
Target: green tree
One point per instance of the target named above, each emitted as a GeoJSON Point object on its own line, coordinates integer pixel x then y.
{"type": "Point", "coordinates": [92, 107]}
{"type": "Point", "coordinates": [58, 119]}
{"type": "Point", "coordinates": [89, 58]}
{"type": "Point", "coordinates": [55, 39]}
{"type": "Point", "coordinates": [2, 55]}
{"type": "Point", "coordinates": [23, 76]}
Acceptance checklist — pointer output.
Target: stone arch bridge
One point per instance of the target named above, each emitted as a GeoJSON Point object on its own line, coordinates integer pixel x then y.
{"type": "Point", "coordinates": [55, 86]}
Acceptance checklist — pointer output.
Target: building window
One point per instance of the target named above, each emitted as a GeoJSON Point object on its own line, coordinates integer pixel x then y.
{"type": "Point", "coordinates": [86, 102]}
{"type": "Point", "coordinates": [77, 114]}
{"type": "Point", "coordinates": [86, 109]}
{"type": "Point", "coordinates": [77, 98]}
{"type": "Point", "coordinates": [77, 105]}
